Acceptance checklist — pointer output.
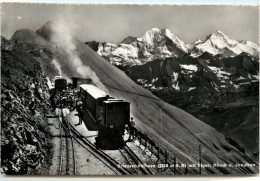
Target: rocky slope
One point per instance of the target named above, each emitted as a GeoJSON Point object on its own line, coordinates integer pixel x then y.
{"type": "Point", "coordinates": [160, 44]}
{"type": "Point", "coordinates": [187, 73]}
{"type": "Point", "coordinates": [24, 100]}
{"type": "Point", "coordinates": [175, 129]}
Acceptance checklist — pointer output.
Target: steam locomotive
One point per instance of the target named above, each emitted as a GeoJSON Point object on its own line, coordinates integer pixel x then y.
{"type": "Point", "coordinates": [103, 113]}
{"type": "Point", "coordinates": [60, 83]}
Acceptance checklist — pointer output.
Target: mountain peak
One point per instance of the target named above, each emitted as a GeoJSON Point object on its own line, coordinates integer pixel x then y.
{"type": "Point", "coordinates": [167, 32]}
{"type": "Point", "coordinates": [46, 30]}
{"type": "Point", "coordinates": [49, 23]}
{"type": "Point", "coordinates": [220, 40]}
{"type": "Point", "coordinates": [220, 32]}
{"type": "Point", "coordinates": [150, 35]}
{"type": "Point", "coordinates": [198, 41]}
{"type": "Point", "coordinates": [129, 40]}
{"type": "Point", "coordinates": [154, 29]}
{"type": "Point", "coordinates": [217, 33]}
{"type": "Point", "coordinates": [47, 26]}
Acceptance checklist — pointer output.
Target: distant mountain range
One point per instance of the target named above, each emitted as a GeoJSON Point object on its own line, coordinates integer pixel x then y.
{"type": "Point", "coordinates": [216, 79]}
{"type": "Point", "coordinates": [159, 59]}
{"type": "Point", "coordinates": [159, 44]}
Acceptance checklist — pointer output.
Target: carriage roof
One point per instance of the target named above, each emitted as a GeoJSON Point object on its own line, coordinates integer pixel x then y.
{"type": "Point", "coordinates": [93, 91]}
{"type": "Point", "coordinates": [109, 101]}
{"type": "Point", "coordinates": [58, 77]}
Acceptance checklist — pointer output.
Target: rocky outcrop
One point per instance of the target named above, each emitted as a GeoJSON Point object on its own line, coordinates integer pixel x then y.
{"type": "Point", "coordinates": [93, 44]}
{"type": "Point", "coordinates": [24, 101]}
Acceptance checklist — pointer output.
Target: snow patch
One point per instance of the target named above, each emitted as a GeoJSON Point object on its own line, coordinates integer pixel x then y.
{"type": "Point", "coordinates": [176, 86]}
{"type": "Point", "coordinates": [241, 78]}
{"type": "Point", "coordinates": [190, 67]}
{"type": "Point", "coordinates": [175, 75]}
{"type": "Point", "coordinates": [141, 80]}
{"type": "Point", "coordinates": [255, 76]}
{"type": "Point", "coordinates": [154, 79]}
{"type": "Point", "coordinates": [191, 88]}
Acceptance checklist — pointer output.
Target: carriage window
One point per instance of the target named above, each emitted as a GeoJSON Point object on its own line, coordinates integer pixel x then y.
{"type": "Point", "coordinates": [110, 107]}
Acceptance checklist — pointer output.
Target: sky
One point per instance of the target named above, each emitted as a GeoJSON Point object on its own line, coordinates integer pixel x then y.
{"type": "Point", "coordinates": [113, 23]}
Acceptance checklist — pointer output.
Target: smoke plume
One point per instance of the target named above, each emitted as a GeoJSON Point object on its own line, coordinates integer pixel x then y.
{"type": "Point", "coordinates": [62, 36]}
{"type": "Point", "coordinates": [49, 82]}
{"type": "Point", "coordinates": [57, 65]}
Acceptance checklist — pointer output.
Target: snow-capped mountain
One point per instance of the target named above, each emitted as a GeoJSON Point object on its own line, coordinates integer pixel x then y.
{"type": "Point", "coordinates": [219, 43]}
{"type": "Point", "coordinates": [159, 60]}
{"type": "Point", "coordinates": [155, 43]}
{"type": "Point", "coordinates": [215, 79]}
{"type": "Point", "coordinates": [159, 44]}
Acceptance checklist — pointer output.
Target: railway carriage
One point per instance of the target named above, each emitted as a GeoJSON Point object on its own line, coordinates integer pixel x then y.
{"type": "Point", "coordinates": [111, 116]}
{"type": "Point", "coordinates": [116, 114]}
{"type": "Point", "coordinates": [92, 99]}
{"type": "Point", "coordinates": [107, 111]}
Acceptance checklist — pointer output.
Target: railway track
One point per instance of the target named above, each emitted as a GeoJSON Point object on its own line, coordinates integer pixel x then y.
{"type": "Point", "coordinates": [145, 169]}
{"type": "Point", "coordinates": [67, 151]}
{"type": "Point", "coordinates": [61, 150]}
{"type": "Point", "coordinates": [68, 161]}
{"type": "Point", "coordinates": [139, 167]}
{"type": "Point", "coordinates": [99, 154]}
{"type": "Point", "coordinates": [128, 162]}
{"type": "Point", "coordinates": [153, 160]}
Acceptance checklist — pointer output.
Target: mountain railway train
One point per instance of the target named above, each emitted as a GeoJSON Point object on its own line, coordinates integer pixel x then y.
{"type": "Point", "coordinates": [60, 83]}
{"type": "Point", "coordinates": [109, 114]}
{"type": "Point", "coordinates": [103, 113]}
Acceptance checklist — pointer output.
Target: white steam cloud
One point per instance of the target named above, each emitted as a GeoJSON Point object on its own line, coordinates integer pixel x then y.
{"type": "Point", "coordinates": [63, 37]}
{"type": "Point", "coordinates": [49, 82]}
{"type": "Point", "coordinates": [57, 65]}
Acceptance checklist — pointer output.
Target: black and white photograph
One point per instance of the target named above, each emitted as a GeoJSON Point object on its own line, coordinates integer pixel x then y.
{"type": "Point", "coordinates": [129, 90]}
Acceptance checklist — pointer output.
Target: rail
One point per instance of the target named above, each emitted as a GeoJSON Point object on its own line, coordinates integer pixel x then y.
{"type": "Point", "coordinates": [66, 131]}
{"type": "Point", "coordinates": [99, 154]}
